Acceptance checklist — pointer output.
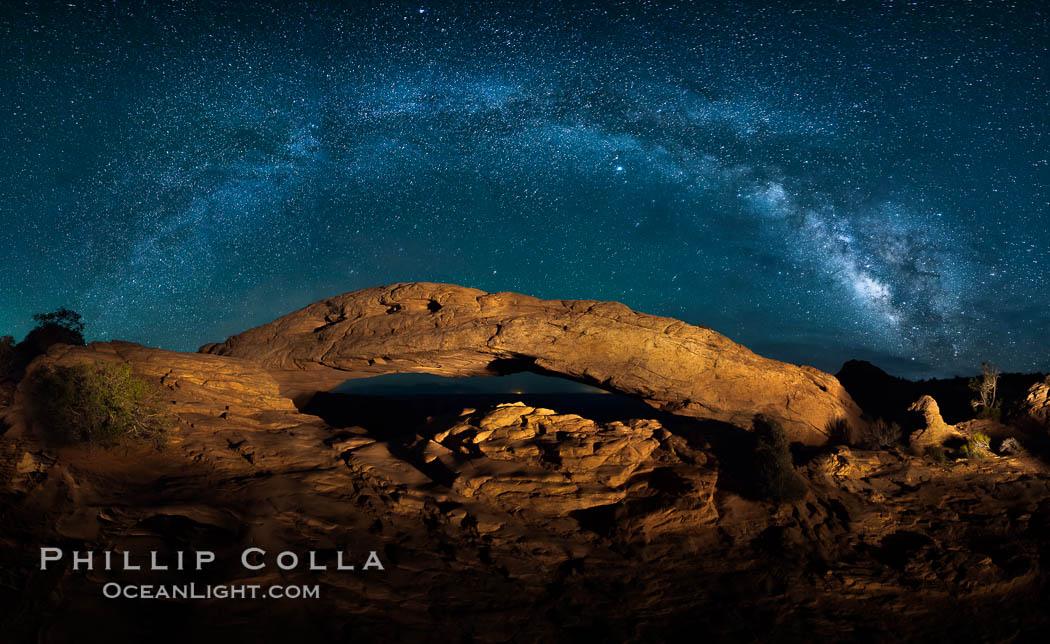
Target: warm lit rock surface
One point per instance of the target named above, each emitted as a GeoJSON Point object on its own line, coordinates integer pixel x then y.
{"type": "Point", "coordinates": [194, 383]}
{"type": "Point", "coordinates": [1037, 404]}
{"type": "Point", "coordinates": [515, 523]}
{"type": "Point", "coordinates": [934, 430]}
{"type": "Point", "coordinates": [517, 456]}
{"type": "Point", "coordinates": [246, 469]}
{"type": "Point", "coordinates": [456, 331]}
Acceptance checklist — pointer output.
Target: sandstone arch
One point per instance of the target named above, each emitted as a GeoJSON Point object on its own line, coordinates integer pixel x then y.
{"type": "Point", "coordinates": [451, 330]}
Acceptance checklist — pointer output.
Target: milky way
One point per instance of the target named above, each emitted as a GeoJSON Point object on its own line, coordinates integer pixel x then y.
{"type": "Point", "coordinates": [819, 183]}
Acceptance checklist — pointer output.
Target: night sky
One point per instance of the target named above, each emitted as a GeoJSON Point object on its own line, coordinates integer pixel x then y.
{"type": "Point", "coordinates": [817, 181]}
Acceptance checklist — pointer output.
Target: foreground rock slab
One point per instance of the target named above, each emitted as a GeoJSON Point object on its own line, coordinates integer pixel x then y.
{"type": "Point", "coordinates": [455, 331]}
{"type": "Point", "coordinates": [507, 524]}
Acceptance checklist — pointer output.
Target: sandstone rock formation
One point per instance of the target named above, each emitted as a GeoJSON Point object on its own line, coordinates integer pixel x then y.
{"type": "Point", "coordinates": [936, 431]}
{"type": "Point", "coordinates": [1037, 403]}
{"type": "Point", "coordinates": [455, 331]}
{"type": "Point", "coordinates": [484, 512]}
{"type": "Point", "coordinates": [510, 524]}
{"type": "Point", "coordinates": [519, 456]}
{"type": "Point", "coordinates": [195, 383]}
{"type": "Point", "coordinates": [545, 468]}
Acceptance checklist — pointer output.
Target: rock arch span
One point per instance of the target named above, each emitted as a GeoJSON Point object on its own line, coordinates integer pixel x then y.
{"type": "Point", "coordinates": [450, 330]}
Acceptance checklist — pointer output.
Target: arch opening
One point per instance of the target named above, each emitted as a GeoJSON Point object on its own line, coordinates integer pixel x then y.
{"type": "Point", "coordinates": [399, 403]}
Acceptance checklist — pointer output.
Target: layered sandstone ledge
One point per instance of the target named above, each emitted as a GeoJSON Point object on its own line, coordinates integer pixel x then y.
{"type": "Point", "coordinates": [455, 331]}
{"type": "Point", "coordinates": [1036, 405]}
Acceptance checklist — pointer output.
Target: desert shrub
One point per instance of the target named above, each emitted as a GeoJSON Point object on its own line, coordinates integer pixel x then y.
{"type": "Point", "coordinates": [976, 447]}
{"type": "Point", "coordinates": [101, 403]}
{"type": "Point", "coordinates": [839, 432]}
{"type": "Point", "coordinates": [1010, 447]}
{"type": "Point", "coordinates": [775, 475]}
{"type": "Point", "coordinates": [879, 434]}
{"type": "Point", "coordinates": [936, 453]}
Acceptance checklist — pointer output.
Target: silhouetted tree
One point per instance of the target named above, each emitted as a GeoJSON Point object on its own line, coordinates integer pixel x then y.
{"type": "Point", "coordinates": [986, 387]}
{"type": "Point", "coordinates": [63, 326]}
{"type": "Point", "coordinates": [7, 352]}
{"type": "Point", "coordinates": [63, 317]}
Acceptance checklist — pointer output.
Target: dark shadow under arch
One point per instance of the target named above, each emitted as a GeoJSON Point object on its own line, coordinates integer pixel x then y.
{"type": "Point", "coordinates": [399, 403]}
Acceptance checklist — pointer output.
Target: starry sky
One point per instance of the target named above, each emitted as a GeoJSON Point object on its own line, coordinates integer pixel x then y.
{"type": "Point", "coordinates": [819, 181]}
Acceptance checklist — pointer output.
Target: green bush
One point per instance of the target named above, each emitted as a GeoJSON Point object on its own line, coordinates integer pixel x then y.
{"type": "Point", "coordinates": [775, 475]}
{"type": "Point", "coordinates": [977, 447]}
{"type": "Point", "coordinates": [102, 403]}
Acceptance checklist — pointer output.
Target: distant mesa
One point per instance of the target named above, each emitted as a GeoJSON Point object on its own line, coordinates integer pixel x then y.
{"type": "Point", "coordinates": [878, 393]}
{"type": "Point", "coordinates": [450, 330]}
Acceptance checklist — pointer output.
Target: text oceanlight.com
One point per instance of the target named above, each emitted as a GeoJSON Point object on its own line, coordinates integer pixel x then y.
{"type": "Point", "coordinates": [113, 590]}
